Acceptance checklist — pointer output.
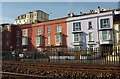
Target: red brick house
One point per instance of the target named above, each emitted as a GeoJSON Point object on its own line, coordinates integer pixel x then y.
{"type": "Point", "coordinates": [53, 33]}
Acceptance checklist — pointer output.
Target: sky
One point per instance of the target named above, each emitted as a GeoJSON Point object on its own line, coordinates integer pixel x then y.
{"type": "Point", "coordinates": [10, 10]}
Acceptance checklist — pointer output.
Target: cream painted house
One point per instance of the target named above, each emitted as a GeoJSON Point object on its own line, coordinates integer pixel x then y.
{"type": "Point", "coordinates": [32, 17]}
{"type": "Point", "coordinates": [116, 27]}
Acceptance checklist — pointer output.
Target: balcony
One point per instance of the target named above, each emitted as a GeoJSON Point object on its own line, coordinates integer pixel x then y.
{"type": "Point", "coordinates": [80, 31]}
{"type": "Point", "coordinates": [105, 28]}
{"type": "Point", "coordinates": [106, 42]}
{"type": "Point", "coordinates": [77, 43]}
{"type": "Point", "coordinates": [91, 42]}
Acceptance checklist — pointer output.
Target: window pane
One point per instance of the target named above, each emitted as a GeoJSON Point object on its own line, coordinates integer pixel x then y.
{"type": "Point", "coordinates": [58, 29]}
{"type": "Point", "coordinates": [58, 39]}
{"type": "Point", "coordinates": [89, 25]}
{"type": "Point", "coordinates": [77, 26]}
{"type": "Point", "coordinates": [105, 23]}
{"type": "Point", "coordinates": [90, 36]}
{"type": "Point", "coordinates": [25, 32]}
{"type": "Point", "coordinates": [78, 37]}
{"type": "Point", "coordinates": [106, 35]}
{"type": "Point", "coordinates": [48, 29]}
{"type": "Point", "coordinates": [38, 41]}
{"type": "Point", "coordinates": [48, 40]}
{"type": "Point", "coordinates": [24, 41]}
{"type": "Point", "coordinates": [39, 31]}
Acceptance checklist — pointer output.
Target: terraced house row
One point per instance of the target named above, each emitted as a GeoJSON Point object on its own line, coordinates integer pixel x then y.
{"type": "Point", "coordinates": [97, 28]}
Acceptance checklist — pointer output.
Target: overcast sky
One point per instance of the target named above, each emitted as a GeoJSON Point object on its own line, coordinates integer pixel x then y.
{"type": "Point", "coordinates": [10, 10]}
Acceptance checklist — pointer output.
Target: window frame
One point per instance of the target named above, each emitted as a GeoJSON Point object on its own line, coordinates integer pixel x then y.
{"type": "Point", "coordinates": [48, 29]}
{"type": "Point", "coordinates": [58, 29]}
{"type": "Point", "coordinates": [77, 26]}
{"type": "Point", "coordinates": [78, 36]}
{"type": "Point", "coordinates": [91, 36]}
{"type": "Point", "coordinates": [25, 32]}
{"type": "Point", "coordinates": [107, 23]}
{"type": "Point", "coordinates": [48, 40]}
{"type": "Point", "coordinates": [39, 31]}
{"type": "Point", "coordinates": [90, 25]}
{"type": "Point", "coordinates": [59, 39]}
{"type": "Point", "coordinates": [25, 41]}
{"type": "Point", "coordinates": [38, 41]}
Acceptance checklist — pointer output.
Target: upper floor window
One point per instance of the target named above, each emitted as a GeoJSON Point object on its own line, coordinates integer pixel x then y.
{"type": "Point", "coordinates": [17, 33]}
{"type": "Point", "coordinates": [48, 39]}
{"type": "Point", "coordinates": [58, 29]}
{"type": "Point", "coordinates": [90, 36]}
{"type": "Point", "coordinates": [105, 35]}
{"type": "Point", "coordinates": [25, 32]}
{"type": "Point", "coordinates": [38, 41]}
{"type": "Point", "coordinates": [58, 39]}
{"type": "Point", "coordinates": [77, 26]}
{"type": "Point", "coordinates": [7, 35]}
{"type": "Point", "coordinates": [39, 31]}
{"type": "Point", "coordinates": [105, 23]}
{"type": "Point", "coordinates": [17, 42]}
{"type": "Point", "coordinates": [48, 29]}
{"type": "Point", "coordinates": [89, 25]}
{"type": "Point", "coordinates": [24, 41]}
{"type": "Point", "coordinates": [77, 37]}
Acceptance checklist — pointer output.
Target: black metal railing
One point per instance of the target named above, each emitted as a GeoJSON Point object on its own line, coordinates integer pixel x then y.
{"type": "Point", "coordinates": [64, 55]}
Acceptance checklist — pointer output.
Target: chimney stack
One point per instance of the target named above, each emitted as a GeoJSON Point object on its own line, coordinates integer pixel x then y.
{"type": "Point", "coordinates": [98, 10]}
{"type": "Point", "coordinates": [70, 14]}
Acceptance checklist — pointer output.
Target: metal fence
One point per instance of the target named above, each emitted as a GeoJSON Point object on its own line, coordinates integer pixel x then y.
{"type": "Point", "coordinates": [63, 55]}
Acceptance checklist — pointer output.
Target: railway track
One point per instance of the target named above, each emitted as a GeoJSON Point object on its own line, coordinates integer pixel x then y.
{"type": "Point", "coordinates": [49, 70]}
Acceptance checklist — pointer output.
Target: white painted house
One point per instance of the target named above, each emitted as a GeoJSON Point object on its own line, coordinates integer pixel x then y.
{"type": "Point", "coordinates": [90, 30]}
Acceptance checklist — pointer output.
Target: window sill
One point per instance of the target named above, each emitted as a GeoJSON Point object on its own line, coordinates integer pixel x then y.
{"type": "Point", "coordinates": [90, 28]}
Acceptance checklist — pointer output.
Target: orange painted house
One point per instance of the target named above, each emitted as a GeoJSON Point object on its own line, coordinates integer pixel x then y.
{"type": "Point", "coordinates": [53, 33]}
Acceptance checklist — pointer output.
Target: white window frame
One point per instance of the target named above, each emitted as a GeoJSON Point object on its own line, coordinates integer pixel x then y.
{"type": "Point", "coordinates": [24, 41]}
{"type": "Point", "coordinates": [38, 41]}
{"type": "Point", "coordinates": [58, 29]}
{"type": "Point", "coordinates": [91, 36]}
{"type": "Point", "coordinates": [105, 35]}
{"type": "Point", "coordinates": [39, 31]}
{"type": "Point", "coordinates": [59, 39]}
{"type": "Point", "coordinates": [48, 40]}
{"type": "Point", "coordinates": [77, 37]}
{"type": "Point", "coordinates": [25, 32]}
{"type": "Point", "coordinates": [48, 29]}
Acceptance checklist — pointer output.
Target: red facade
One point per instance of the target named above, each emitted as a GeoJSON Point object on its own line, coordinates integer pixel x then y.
{"type": "Point", "coordinates": [8, 37]}
{"type": "Point", "coordinates": [49, 33]}
{"type": "Point", "coordinates": [32, 37]}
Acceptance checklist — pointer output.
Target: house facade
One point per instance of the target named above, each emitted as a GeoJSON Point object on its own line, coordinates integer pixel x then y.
{"type": "Point", "coordinates": [53, 33]}
{"type": "Point", "coordinates": [8, 36]}
{"type": "Point", "coordinates": [32, 17]}
{"type": "Point", "coordinates": [116, 27]}
{"type": "Point", "coordinates": [94, 29]}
